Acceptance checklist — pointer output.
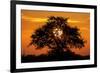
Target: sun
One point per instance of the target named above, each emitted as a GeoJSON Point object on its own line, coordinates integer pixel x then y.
{"type": "Point", "coordinates": [57, 32]}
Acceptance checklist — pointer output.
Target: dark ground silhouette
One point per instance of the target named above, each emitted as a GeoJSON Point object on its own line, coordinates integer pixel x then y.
{"type": "Point", "coordinates": [54, 57]}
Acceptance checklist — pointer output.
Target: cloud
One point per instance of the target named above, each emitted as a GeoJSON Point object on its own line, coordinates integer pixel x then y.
{"type": "Point", "coordinates": [32, 19]}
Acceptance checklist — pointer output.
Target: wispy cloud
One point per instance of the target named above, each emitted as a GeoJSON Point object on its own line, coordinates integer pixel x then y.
{"type": "Point", "coordinates": [32, 19]}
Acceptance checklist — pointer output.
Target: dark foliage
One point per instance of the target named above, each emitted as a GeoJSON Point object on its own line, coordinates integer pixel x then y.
{"type": "Point", "coordinates": [44, 36]}
{"type": "Point", "coordinates": [49, 35]}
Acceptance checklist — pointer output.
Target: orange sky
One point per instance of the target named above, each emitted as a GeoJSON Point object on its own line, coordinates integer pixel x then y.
{"type": "Point", "coordinates": [32, 20]}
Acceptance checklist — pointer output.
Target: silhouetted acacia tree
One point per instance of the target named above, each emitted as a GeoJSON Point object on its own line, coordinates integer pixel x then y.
{"type": "Point", "coordinates": [57, 35]}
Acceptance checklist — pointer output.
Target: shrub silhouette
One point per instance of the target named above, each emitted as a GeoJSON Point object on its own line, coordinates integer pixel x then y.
{"type": "Point", "coordinates": [68, 55]}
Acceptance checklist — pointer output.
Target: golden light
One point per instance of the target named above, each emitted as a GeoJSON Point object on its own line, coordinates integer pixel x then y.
{"type": "Point", "coordinates": [73, 21]}
{"type": "Point", "coordinates": [32, 19]}
{"type": "Point", "coordinates": [57, 32]}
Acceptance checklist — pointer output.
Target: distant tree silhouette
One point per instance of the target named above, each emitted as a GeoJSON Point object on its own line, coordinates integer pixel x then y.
{"type": "Point", "coordinates": [57, 35]}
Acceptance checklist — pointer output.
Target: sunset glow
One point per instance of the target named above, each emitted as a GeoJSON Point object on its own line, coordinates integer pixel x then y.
{"type": "Point", "coordinates": [32, 20]}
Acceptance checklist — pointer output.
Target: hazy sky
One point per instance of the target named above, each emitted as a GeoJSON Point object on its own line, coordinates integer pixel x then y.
{"type": "Point", "coordinates": [32, 20]}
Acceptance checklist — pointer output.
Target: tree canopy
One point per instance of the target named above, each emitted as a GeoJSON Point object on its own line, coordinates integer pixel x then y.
{"type": "Point", "coordinates": [57, 35]}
